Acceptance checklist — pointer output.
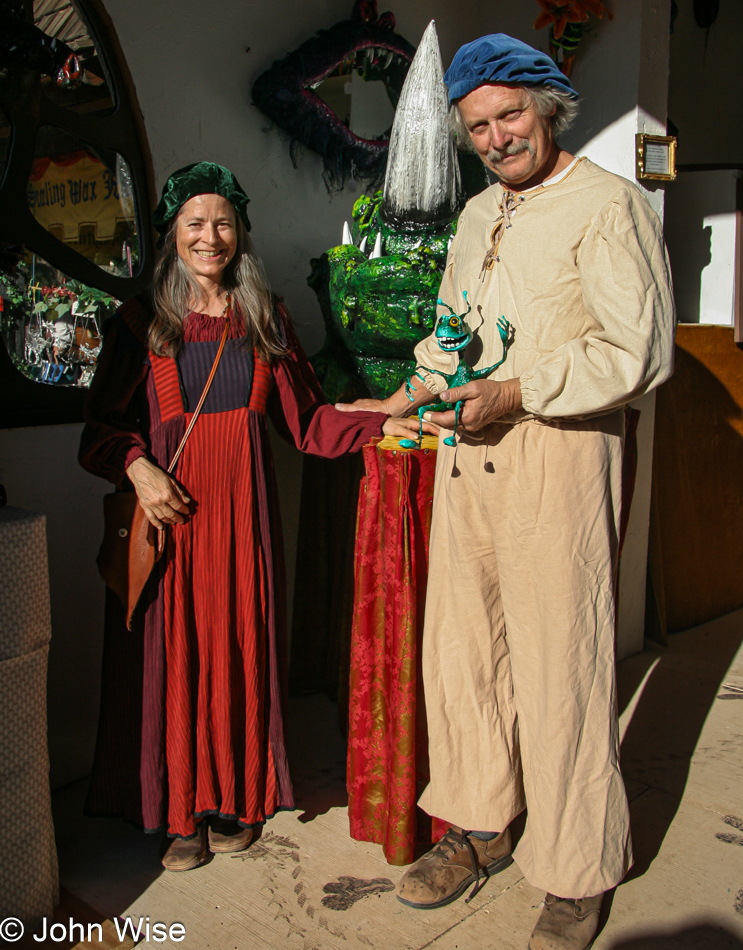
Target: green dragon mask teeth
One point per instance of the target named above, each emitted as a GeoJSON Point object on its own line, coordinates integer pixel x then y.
{"type": "Point", "coordinates": [422, 184]}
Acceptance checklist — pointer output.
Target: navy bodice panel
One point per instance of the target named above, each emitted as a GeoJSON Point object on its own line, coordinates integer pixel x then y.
{"type": "Point", "coordinates": [233, 381]}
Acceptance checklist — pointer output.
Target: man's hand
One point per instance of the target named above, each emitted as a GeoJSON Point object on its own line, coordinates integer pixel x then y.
{"type": "Point", "coordinates": [485, 400]}
{"type": "Point", "coordinates": [163, 500]}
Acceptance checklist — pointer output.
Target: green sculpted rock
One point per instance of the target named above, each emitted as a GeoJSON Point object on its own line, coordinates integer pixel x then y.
{"type": "Point", "coordinates": [376, 308]}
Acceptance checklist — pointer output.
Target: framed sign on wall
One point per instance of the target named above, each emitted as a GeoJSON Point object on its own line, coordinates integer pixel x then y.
{"type": "Point", "coordinates": [655, 157]}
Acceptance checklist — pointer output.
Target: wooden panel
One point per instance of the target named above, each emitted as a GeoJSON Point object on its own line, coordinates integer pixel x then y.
{"type": "Point", "coordinates": [738, 276]}
{"type": "Point", "coordinates": [698, 462]}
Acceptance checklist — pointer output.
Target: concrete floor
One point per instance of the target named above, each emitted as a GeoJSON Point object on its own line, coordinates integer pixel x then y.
{"type": "Point", "coordinates": [307, 885]}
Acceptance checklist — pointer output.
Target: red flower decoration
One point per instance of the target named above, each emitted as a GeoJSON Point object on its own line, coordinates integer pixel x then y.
{"type": "Point", "coordinates": [558, 13]}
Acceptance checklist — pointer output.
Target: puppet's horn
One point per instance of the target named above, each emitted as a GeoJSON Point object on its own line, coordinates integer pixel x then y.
{"type": "Point", "coordinates": [422, 184]}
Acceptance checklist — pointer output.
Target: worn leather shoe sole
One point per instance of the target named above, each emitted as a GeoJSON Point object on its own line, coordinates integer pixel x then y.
{"type": "Point", "coordinates": [587, 947]}
{"type": "Point", "coordinates": [184, 854]}
{"type": "Point", "coordinates": [490, 869]}
{"type": "Point", "coordinates": [228, 843]}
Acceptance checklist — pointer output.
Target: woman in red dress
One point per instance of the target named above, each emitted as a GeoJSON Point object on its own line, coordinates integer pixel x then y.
{"type": "Point", "coordinates": [191, 736]}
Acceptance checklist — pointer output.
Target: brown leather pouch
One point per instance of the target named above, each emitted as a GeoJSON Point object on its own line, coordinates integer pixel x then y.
{"type": "Point", "coordinates": [130, 548]}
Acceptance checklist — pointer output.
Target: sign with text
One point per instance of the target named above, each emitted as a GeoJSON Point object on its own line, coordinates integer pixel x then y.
{"type": "Point", "coordinates": [75, 196]}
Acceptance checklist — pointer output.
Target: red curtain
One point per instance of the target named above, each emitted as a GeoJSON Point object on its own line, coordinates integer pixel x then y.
{"type": "Point", "coordinates": [387, 742]}
{"type": "Point", "coordinates": [62, 160]}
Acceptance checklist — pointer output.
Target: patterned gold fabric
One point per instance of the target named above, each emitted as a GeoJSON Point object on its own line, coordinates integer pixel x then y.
{"type": "Point", "coordinates": [387, 739]}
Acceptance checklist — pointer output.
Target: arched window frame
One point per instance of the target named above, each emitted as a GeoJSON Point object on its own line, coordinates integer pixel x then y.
{"type": "Point", "coordinates": [22, 401]}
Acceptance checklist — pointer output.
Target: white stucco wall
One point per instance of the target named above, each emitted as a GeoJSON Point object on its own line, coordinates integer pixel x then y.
{"type": "Point", "coordinates": [193, 77]}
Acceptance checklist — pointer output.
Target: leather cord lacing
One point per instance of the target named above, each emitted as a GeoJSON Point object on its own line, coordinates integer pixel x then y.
{"type": "Point", "coordinates": [451, 842]}
{"type": "Point", "coordinates": [507, 207]}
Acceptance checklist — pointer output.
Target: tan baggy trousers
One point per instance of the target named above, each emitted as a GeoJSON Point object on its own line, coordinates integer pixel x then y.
{"type": "Point", "coordinates": [518, 647]}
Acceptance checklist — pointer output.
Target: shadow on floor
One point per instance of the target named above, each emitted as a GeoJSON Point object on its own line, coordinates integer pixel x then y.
{"type": "Point", "coordinates": [664, 730]}
{"type": "Point", "coordinates": [702, 936]}
{"type": "Point", "coordinates": [316, 750]}
{"type": "Point", "coordinates": [113, 863]}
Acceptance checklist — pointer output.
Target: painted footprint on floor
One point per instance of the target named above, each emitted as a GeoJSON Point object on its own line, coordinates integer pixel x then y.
{"type": "Point", "coordinates": [726, 836]}
{"type": "Point", "coordinates": [271, 848]}
{"type": "Point", "coordinates": [343, 893]}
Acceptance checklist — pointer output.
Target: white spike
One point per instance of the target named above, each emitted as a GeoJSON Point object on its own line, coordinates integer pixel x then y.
{"type": "Point", "coordinates": [422, 181]}
{"type": "Point", "coordinates": [362, 246]}
{"type": "Point", "coordinates": [377, 252]}
{"type": "Point", "coordinates": [347, 239]}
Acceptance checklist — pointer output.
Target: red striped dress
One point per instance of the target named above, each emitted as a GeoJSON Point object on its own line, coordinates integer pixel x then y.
{"type": "Point", "coordinates": [192, 708]}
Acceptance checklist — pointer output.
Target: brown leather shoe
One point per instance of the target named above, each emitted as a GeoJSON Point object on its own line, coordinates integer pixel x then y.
{"type": "Point", "coordinates": [566, 924]}
{"type": "Point", "coordinates": [227, 836]}
{"type": "Point", "coordinates": [183, 854]}
{"type": "Point", "coordinates": [448, 869]}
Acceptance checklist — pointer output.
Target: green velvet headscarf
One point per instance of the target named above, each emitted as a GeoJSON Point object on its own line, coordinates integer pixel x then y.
{"type": "Point", "coordinates": [201, 178]}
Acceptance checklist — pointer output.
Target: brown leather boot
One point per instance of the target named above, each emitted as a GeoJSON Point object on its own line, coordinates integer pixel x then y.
{"type": "Point", "coordinates": [448, 869]}
{"type": "Point", "coordinates": [566, 924]}
{"type": "Point", "coordinates": [183, 854]}
{"type": "Point", "coordinates": [227, 836]}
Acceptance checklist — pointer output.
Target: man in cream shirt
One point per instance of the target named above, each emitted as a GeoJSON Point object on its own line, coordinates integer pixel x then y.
{"type": "Point", "coordinates": [518, 644]}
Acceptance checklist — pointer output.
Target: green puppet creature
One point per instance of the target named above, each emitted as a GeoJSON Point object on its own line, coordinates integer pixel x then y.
{"type": "Point", "coordinates": [453, 335]}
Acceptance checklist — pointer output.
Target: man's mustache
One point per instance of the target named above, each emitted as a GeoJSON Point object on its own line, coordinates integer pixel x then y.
{"type": "Point", "coordinates": [496, 155]}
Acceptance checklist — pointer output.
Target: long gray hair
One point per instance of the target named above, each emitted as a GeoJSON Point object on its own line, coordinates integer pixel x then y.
{"type": "Point", "coordinates": [174, 289]}
{"type": "Point", "coordinates": [544, 99]}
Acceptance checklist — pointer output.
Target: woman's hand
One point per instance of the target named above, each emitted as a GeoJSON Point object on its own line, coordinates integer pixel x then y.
{"type": "Point", "coordinates": [402, 428]}
{"type": "Point", "coordinates": [365, 405]}
{"type": "Point", "coordinates": [163, 500]}
{"type": "Point", "coordinates": [399, 404]}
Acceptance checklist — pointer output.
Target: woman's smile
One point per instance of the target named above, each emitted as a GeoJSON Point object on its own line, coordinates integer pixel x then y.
{"type": "Point", "coordinates": [206, 236]}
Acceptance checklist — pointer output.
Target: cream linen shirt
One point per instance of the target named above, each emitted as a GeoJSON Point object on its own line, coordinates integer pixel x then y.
{"type": "Point", "coordinates": [582, 276]}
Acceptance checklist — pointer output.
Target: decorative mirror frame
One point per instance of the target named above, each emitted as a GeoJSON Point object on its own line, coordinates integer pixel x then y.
{"type": "Point", "coordinates": [286, 92]}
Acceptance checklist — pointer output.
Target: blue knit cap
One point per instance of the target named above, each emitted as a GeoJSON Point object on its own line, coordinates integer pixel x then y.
{"type": "Point", "coordinates": [499, 58]}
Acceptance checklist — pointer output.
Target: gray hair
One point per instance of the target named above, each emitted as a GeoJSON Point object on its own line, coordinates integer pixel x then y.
{"type": "Point", "coordinates": [545, 98]}
{"type": "Point", "coordinates": [174, 289]}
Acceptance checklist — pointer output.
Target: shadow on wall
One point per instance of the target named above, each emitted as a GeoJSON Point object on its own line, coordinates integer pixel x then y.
{"type": "Point", "coordinates": [696, 241]}
{"type": "Point", "coordinates": [699, 227]}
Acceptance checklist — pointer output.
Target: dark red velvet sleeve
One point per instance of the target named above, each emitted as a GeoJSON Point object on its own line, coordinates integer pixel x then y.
{"type": "Point", "coordinates": [112, 437]}
{"type": "Point", "coordinates": [301, 413]}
